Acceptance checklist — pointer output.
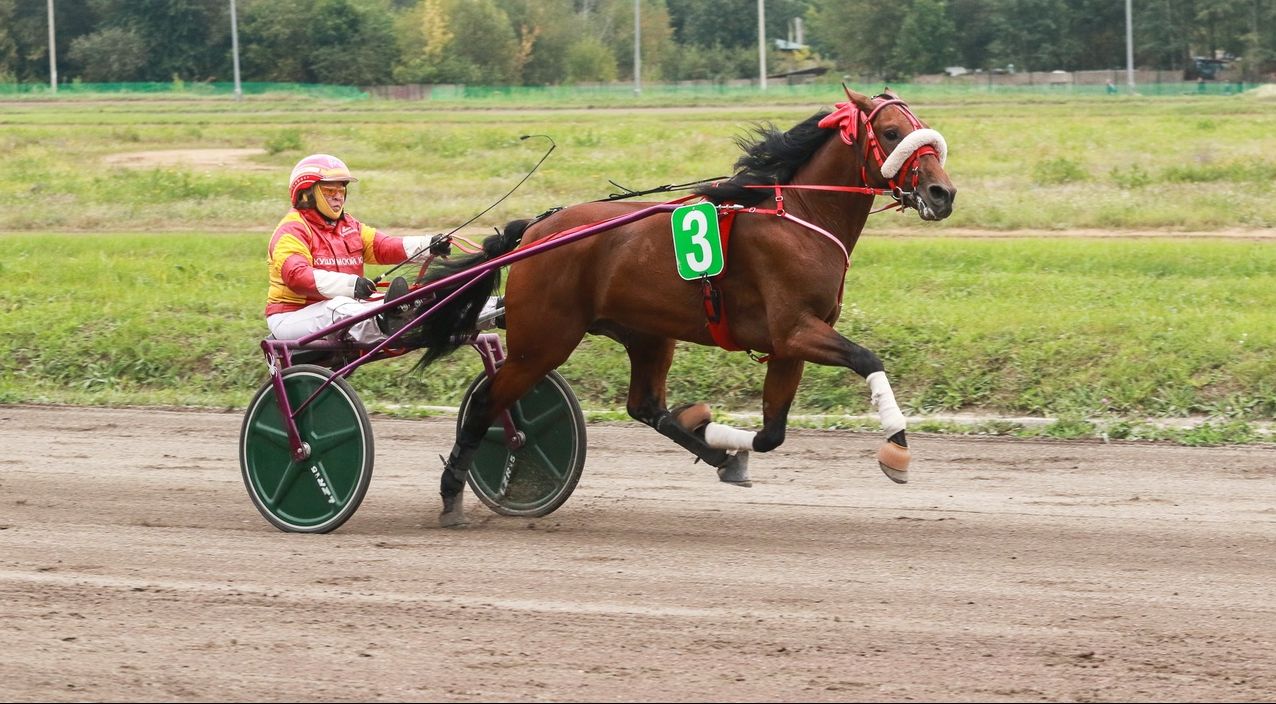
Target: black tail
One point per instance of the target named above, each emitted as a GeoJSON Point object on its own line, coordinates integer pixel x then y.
{"type": "Point", "coordinates": [446, 328]}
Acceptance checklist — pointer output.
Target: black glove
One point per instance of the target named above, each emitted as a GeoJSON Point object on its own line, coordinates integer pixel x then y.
{"type": "Point", "coordinates": [440, 245]}
{"type": "Point", "coordinates": [364, 287]}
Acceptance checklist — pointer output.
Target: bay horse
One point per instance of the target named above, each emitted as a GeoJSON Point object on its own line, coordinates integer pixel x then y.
{"type": "Point", "coordinates": [795, 208]}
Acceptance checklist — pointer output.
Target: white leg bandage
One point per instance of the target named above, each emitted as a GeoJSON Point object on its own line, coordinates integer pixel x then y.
{"type": "Point", "coordinates": [724, 437]}
{"type": "Point", "coordinates": [884, 401]}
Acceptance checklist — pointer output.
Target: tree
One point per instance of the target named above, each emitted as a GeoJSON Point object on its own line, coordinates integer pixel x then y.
{"type": "Point", "coordinates": [352, 42]}
{"type": "Point", "coordinates": [924, 42]}
{"type": "Point", "coordinates": [110, 55]}
{"type": "Point", "coordinates": [734, 23]}
{"type": "Point", "coordinates": [183, 38]}
{"type": "Point", "coordinates": [656, 35]}
{"type": "Point", "coordinates": [1028, 34]}
{"type": "Point", "coordinates": [344, 42]}
{"type": "Point", "coordinates": [24, 35]}
{"type": "Point", "coordinates": [589, 61]}
{"type": "Point", "coordinates": [726, 31]}
{"type": "Point", "coordinates": [545, 30]}
{"type": "Point", "coordinates": [458, 41]}
{"type": "Point", "coordinates": [849, 31]}
{"type": "Point", "coordinates": [8, 43]}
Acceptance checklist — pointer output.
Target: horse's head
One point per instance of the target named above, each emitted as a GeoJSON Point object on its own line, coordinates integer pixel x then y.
{"type": "Point", "coordinates": [899, 151]}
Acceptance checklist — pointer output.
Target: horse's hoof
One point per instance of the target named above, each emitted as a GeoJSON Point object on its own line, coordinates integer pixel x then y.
{"type": "Point", "coordinates": [453, 519]}
{"type": "Point", "coordinates": [893, 459]}
{"type": "Point", "coordinates": [736, 470]}
{"type": "Point", "coordinates": [453, 514]}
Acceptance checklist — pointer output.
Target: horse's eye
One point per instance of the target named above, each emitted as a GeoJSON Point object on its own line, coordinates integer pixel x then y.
{"type": "Point", "coordinates": [892, 134]}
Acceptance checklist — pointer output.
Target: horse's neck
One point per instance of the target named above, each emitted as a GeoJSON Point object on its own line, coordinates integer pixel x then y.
{"type": "Point", "coordinates": [841, 213]}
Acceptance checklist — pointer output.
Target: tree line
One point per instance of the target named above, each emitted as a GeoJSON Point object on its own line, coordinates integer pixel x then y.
{"type": "Point", "coordinates": [548, 42]}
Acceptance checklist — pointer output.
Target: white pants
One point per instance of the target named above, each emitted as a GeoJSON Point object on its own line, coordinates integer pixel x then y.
{"type": "Point", "coordinates": [317, 316]}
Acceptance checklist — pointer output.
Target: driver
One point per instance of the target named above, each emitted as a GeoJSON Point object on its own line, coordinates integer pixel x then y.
{"type": "Point", "coordinates": [316, 258]}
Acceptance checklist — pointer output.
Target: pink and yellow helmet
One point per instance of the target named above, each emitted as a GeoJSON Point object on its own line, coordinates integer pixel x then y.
{"type": "Point", "coordinates": [316, 168]}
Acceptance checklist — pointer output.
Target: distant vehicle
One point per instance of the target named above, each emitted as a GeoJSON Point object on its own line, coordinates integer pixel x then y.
{"type": "Point", "coordinates": [1207, 68]}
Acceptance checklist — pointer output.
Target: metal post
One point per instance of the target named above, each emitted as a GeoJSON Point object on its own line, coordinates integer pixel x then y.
{"type": "Point", "coordinates": [1129, 45]}
{"type": "Point", "coordinates": [234, 48]}
{"type": "Point", "coordinates": [53, 53]}
{"type": "Point", "coordinates": [637, 48]}
{"type": "Point", "coordinates": [761, 44]}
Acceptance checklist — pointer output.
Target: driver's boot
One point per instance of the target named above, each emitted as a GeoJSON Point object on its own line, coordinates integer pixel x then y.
{"type": "Point", "coordinates": [393, 319]}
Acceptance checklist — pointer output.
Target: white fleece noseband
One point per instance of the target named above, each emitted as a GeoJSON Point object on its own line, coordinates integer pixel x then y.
{"type": "Point", "coordinates": [911, 143]}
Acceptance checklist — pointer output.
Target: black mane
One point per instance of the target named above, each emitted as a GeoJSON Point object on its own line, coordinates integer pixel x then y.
{"type": "Point", "coordinates": [770, 159]}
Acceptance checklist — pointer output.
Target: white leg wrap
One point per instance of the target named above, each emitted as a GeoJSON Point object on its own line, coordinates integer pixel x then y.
{"type": "Point", "coordinates": [884, 401]}
{"type": "Point", "coordinates": [724, 437]}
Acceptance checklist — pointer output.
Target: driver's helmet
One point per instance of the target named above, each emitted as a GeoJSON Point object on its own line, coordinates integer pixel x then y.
{"type": "Point", "coordinates": [310, 171]}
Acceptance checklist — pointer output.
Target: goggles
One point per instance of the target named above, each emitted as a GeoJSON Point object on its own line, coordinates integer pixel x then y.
{"type": "Point", "coordinates": [332, 189]}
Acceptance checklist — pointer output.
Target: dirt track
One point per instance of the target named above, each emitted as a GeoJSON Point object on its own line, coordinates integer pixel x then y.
{"type": "Point", "coordinates": [134, 567]}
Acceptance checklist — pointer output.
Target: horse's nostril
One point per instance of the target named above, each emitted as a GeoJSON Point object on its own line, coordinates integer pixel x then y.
{"type": "Point", "coordinates": [940, 194]}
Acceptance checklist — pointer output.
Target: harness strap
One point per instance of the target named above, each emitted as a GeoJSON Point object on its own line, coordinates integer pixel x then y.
{"type": "Point", "coordinates": [715, 312]}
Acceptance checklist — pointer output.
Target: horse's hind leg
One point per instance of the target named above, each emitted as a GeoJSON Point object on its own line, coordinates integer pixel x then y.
{"type": "Point", "coordinates": [512, 381]}
{"type": "Point", "coordinates": [649, 361]}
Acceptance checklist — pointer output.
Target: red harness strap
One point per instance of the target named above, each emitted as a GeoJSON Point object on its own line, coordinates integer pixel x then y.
{"type": "Point", "coordinates": [715, 312]}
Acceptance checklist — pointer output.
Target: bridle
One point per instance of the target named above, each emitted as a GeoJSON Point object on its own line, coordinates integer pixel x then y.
{"type": "Point", "coordinates": [904, 160]}
{"type": "Point", "coordinates": [900, 168]}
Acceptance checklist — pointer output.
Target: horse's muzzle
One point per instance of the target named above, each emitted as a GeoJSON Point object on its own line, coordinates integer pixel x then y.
{"type": "Point", "coordinates": [933, 202]}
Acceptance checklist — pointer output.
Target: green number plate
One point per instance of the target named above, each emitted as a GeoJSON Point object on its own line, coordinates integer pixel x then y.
{"type": "Point", "coordinates": [697, 243]}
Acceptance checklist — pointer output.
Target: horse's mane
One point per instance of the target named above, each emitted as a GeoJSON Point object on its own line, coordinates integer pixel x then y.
{"type": "Point", "coordinates": [772, 157]}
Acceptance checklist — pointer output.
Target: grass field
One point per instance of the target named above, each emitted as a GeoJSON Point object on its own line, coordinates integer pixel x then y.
{"type": "Point", "coordinates": [143, 284]}
{"type": "Point", "coordinates": [1186, 164]}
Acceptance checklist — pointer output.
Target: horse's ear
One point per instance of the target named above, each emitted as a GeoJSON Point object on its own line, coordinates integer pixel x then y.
{"type": "Point", "coordinates": [863, 102]}
{"type": "Point", "coordinates": [890, 94]}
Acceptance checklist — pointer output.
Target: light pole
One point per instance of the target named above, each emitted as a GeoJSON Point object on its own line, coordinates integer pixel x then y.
{"type": "Point", "coordinates": [761, 45]}
{"type": "Point", "coordinates": [234, 49]}
{"type": "Point", "coordinates": [53, 53]}
{"type": "Point", "coordinates": [637, 48]}
{"type": "Point", "coordinates": [1129, 45]}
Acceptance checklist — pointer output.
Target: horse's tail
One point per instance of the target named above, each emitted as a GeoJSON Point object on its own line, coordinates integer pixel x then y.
{"type": "Point", "coordinates": [447, 328]}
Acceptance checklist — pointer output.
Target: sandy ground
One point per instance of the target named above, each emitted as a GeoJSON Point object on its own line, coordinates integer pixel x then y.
{"type": "Point", "coordinates": [238, 159]}
{"type": "Point", "coordinates": [134, 567]}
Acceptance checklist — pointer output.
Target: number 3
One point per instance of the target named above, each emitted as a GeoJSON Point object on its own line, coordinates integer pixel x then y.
{"type": "Point", "coordinates": [695, 220]}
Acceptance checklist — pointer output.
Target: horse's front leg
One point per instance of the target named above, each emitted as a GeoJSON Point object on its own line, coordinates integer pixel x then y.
{"type": "Point", "coordinates": [782, 377]}
{"type": "Point", "coordinates": [818, 342]}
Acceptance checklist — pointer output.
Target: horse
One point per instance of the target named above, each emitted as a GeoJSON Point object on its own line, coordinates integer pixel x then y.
{"type": "Point", "coordinates": [794, 208]}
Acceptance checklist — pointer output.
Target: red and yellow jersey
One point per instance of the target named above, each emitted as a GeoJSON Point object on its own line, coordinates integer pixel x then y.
{"type": "Point", "coordinates": [306, 247]}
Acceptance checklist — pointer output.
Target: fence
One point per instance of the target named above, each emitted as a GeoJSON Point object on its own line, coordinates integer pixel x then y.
{"type": "Point", "coordinates": [1059, 83]}
{"type": "Point", "coordinates": [182, 89]}
{"type": "Point", "coordinates": [1146, 82]}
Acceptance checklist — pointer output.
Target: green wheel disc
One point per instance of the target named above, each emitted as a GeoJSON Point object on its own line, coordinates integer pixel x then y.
{"type": "Point", "coordinates": [318, 494]}
{"type": "Point", "coordinates": [537, 478]}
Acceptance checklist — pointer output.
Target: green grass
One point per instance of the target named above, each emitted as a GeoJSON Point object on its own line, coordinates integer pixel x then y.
{"type": "Point", "coordinates": [1121, 330]}
{"type": "Point", "coordinates": [161, 303]}
{"type": "Point", "coordinates": [1038, 162]}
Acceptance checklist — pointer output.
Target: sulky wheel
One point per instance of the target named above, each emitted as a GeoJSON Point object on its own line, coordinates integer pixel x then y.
{"type": "Point", "coordinates": [538, 477]}
{"type": "Point", "coordinates": [321, 492]}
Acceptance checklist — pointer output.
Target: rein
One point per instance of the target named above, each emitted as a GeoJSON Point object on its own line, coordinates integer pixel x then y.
{"type": "Point", "coordinates": [440, 245]}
